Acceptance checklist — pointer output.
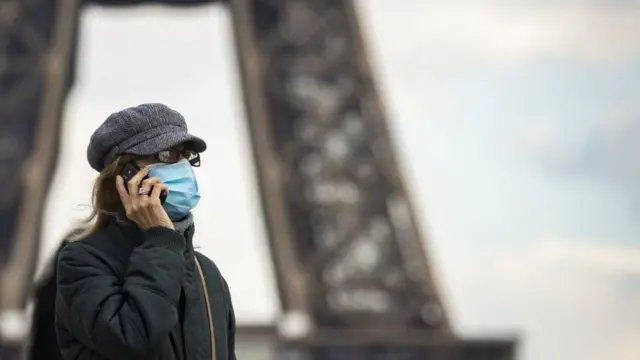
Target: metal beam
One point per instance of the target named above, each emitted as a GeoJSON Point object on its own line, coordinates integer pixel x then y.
{"type": "Point", "coordinates": [38, 38]}
{"type": "Point", "coordinates": [345, 242]}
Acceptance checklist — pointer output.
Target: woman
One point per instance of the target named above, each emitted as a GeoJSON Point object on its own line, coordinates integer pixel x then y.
{"type": "Point", "coordinates": [131, 287]}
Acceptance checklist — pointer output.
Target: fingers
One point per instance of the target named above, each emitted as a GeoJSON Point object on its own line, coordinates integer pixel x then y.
{"type": "Point", "coordinates": [149, 183]}
{"type": "Point", "coordinates": [122, 190]}
{"type": "Point", "coordinates": [135, 181]}
{"type": "Point", "coordinates": [157, 190]}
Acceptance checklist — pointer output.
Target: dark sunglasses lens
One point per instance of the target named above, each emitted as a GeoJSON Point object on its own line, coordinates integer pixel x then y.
{"type": "Point", "coordinates": [169, 156]}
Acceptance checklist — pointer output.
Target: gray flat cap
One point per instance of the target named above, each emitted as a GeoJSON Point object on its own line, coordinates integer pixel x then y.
{"type": "Point", "coordinates": [141, 130]}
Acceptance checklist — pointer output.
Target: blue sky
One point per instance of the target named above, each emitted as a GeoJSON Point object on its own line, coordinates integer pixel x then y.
{"type": "Point", "coordinates": [515, 123]}
{"type": "Point", "coordinates": [520, 147]}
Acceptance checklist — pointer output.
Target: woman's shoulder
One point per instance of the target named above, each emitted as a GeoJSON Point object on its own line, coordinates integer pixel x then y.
{"type": "Point", "coordinates": [79, 250]}
{"type": "Point", "coordinates": [210, 269]}
{"type": "Point", "coordinates": [213, 275]}
{"type": "Point", "coordinates": [208, 265]}
{"type": "Point", "coordinates": [79, 241]}
{"type": "Point", "coordinates": [104, 246]}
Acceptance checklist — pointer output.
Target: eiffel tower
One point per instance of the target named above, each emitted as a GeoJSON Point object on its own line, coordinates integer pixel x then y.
{"type": "Point", "coordinates": [352, 272]}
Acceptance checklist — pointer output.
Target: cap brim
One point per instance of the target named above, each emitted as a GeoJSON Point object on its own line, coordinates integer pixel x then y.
{"type": "Point", "coordinates": [166, 141]}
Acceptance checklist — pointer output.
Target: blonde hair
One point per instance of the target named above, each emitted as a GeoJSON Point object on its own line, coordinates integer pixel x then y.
{"type": "Point", "coordinates": [105, 201]}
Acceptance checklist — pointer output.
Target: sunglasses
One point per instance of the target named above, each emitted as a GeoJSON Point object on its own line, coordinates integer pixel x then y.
{"type": "Point", "coordinates": [173, 155]}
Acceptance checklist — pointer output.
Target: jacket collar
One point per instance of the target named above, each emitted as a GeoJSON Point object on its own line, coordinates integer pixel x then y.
{"type": "Point", "coordinates": [183, 225]}
{"type": "Point", "coordinates": [186, 227]}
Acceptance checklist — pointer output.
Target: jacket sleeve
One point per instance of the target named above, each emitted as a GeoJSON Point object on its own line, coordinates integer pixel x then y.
{"type": "Point", "coordinates": [122, 318]}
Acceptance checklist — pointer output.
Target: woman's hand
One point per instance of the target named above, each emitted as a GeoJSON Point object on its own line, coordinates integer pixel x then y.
{"type": "Point", "coordinates": [142, 200]}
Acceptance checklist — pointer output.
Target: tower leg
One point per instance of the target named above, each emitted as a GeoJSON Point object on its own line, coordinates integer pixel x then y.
{"type": "Point", "coordinates": [36, 41]}
{"type": "Point", "coordinates": [353, 275]}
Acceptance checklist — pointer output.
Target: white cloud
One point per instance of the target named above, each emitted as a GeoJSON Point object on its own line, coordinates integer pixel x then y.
{"type": "Point", "coordinates": [613, 260]}
{"type": "Point", "coordinates": [569, 300]}
{"type": "Point", "coordinates": [606, 150]}
{"type": "Point", "coordinates": [547, 142]}
{"type": "Point", "coordinates": [505, 33]}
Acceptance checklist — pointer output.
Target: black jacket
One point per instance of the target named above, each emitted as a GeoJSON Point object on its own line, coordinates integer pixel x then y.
{"type": "Point", "coordinates": [127, 294]}
{"type": "Point", "coordinates": [44, 345]}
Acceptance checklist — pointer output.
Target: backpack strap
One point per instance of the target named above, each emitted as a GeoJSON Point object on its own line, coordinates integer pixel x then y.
{"type": "Point", "coordinates": [208, 305]}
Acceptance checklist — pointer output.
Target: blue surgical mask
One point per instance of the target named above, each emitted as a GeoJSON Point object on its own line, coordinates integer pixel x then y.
{"type": "Point", "coordinates": [183, 188]}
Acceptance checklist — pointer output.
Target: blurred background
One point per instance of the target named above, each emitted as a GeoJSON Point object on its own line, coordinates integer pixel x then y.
{"type": "Point", "coordinates": [516, 124]}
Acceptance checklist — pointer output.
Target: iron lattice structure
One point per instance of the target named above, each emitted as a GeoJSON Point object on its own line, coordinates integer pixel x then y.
{"type": "Point", "coordinates": [352, 272]}
{"type": "Point", "coordinates": [319, 128]}
{"type": "Point", "coordinates": [348, 254]}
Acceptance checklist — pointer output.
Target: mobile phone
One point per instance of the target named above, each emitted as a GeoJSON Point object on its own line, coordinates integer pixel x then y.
{"type": "Point", "coordinates": [130, 170]}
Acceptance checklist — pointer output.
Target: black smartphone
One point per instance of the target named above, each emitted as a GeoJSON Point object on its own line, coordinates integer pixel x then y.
{"type": "Point", "coordinates": [130, 170]}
